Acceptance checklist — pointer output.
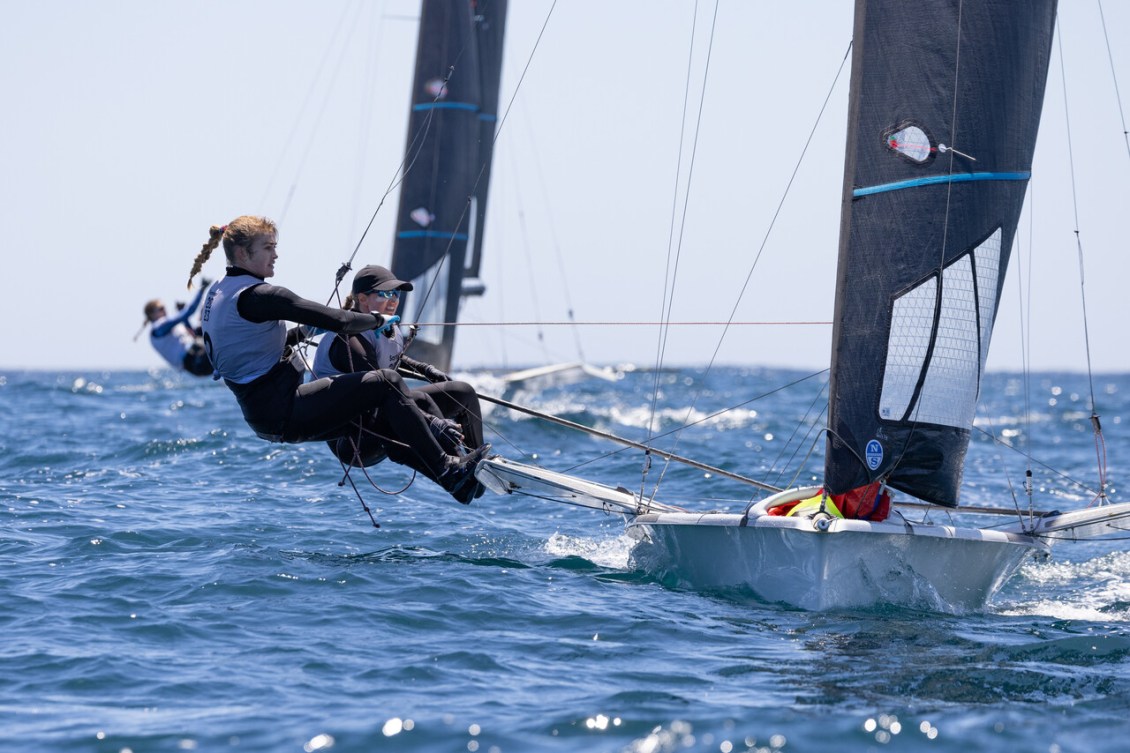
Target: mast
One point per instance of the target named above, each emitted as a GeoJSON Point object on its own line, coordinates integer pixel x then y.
{"type": "Point", "coordinates": [943, 114]}
{"type": "Point", "coordinates": [439, 230]}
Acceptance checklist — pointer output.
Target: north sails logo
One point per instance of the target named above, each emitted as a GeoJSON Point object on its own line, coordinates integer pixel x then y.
{"type": "Point", "coordinates": [874, 454]}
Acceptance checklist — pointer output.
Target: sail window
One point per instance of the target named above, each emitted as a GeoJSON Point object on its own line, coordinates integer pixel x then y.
{"type": "Point", "coordinates": [435, 88]}
{"type": "Point", "coordinates": [988, 260]}
{"type": "Point", "coordinates": [944, 389]}
{"type": "Point", "coordinates": [949, 393]}
{"type": "Point", "coordinates": [421, 216]}
{"type": "Point", "coordinates": [911, 142]}
{"type": "Point", "coordinates": [907, 346]}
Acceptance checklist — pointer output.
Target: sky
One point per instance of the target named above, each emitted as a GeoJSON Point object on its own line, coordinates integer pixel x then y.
{"type": "Point", "coordinates": [132, 126]}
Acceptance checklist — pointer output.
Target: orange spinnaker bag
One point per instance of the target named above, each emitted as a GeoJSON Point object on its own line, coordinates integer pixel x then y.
{"type": "Point", "coordinates": [784, 509]}
{"type": "Point", "coordinates": [871, 502]}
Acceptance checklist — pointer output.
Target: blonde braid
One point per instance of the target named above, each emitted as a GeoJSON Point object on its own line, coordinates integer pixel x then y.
{"type": "Point", "coordinates": [215, 234]}
{"type": "Point", "coordinates": [348, 305]}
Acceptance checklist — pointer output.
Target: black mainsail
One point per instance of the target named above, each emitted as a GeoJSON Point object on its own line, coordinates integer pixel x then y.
{"type": "Point", "coordinates": [944, 109]}
{"type": "Point", "coordinates": [438, 241]}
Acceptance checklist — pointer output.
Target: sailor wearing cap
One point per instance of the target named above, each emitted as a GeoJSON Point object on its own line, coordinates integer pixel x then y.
{"type": "Point", "coordinates": [378, 291]}
{"type": "Point", "coordinates": [245, 334]}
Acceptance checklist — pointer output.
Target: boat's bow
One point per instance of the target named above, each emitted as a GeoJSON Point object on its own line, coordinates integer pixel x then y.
{"type": "Point", "coordinates": [1097, 522]}
{"type": "Point", "coordinates": [823, 562]}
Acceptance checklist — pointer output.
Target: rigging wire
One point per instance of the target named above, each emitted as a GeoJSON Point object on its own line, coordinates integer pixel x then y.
{"type": "Point", "coordinates": [531, 276]}
{"type": "Point", "coordinates": [668, 282]}
{"type": "Point", "coordinates": [814, 425]}
{"type": "Point", "coordinates": [563, 277]}
{"type": "Point", "coordinates": [1114, 78]}
{"type": "Point", "coordinates": [1083, 485]}
{"type": "Point", "coordinates": [306, 101]}
{"type": "Point", "coordinates": [411, 154]}
{"type": "Point", "coordinates": [704, 419]}
{"type": "Point", "coordinates": [1025, 344]}
{"type": "Point", "coordinates": [626, 442]}
{"type": "Point", "coordinates": [317, 121]}
{"type": "Point", "coordinates": [776, 215]}
{"type": "Point", "coordinates": [482, 168]}
{"type": "Point", "coordinates": [368, 105]}
{"type": "Point", "coordinates": [1100, 442]}
{"type": "Point", "coordinates": [621, 324]}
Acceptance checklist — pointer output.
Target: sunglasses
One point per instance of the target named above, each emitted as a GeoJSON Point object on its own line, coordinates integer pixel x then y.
{"type": "Point", "coordinates": [386, 294]}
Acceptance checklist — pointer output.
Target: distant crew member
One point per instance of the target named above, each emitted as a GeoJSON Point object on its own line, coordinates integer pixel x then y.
{"type": "Point", "coordinates": [250, 347]}
{"type": "Point", "coordinates": [172, 337]}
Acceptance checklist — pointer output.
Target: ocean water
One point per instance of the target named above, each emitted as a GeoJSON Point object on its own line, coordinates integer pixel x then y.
{"type": "Point", "coordinates": [170, 583]}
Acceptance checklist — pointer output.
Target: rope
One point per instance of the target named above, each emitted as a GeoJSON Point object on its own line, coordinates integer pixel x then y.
{"type": "Point", "coordinates": [1100, 442]}
{"type": "Point", "coordinates": [1114, 77]}
{"type": "Point", "coordinates": [1060, 474]}
{"type": "Point", "coordinates": [772, 223]}
{"type": "Point", "coordinates": [627, 442]}
{"type": "Point", "coordinates": [411, 154]}
{"type": "Point", "coordinates": [668, 275]}
{"type": "Point", "coordinates": [619, 324]}
{"type": "Point", "coordinates": [314, 86]}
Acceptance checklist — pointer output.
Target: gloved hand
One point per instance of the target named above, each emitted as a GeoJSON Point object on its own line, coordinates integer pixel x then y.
{"type": "Point", "coordinates": [384, 325]}
{"type": "Point", "coordinates": [205, 282]}
{"type": "Point", "coordinates": [448, 433]}
{"type": "Point", "coordinates": [434, 375]}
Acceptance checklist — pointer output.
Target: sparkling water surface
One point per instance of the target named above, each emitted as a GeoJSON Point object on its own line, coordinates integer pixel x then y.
{"type": "Point", "coordinates": [172, 583]}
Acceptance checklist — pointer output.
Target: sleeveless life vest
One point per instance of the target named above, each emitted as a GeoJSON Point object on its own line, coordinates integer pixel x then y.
{"type": "Point", "coordinates": [174, 345]}
{"type": "Point", "coordinates": [388, 349]}
{"type": "Point", "coordinates": [323, 366]}
{"type": "Point", "coordinates": [240, 350]}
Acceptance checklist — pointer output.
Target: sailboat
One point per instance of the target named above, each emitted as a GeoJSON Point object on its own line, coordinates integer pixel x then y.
{"type": "Point", "coordinates": [944, 107]}
{"type": "Point", "coordinates": [438, 245]}
{"type": "Point", "coordinates": [443, 199]}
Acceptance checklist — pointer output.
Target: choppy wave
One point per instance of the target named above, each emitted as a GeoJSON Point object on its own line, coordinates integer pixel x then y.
{"type": "Point", "coordinates": [173, 583]}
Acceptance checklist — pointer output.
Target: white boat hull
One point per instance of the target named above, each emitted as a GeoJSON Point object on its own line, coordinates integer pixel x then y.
{"type": "Point", "coordinates": [851, 563]}
{"type": "Point", "coordinates": [555, 376]}
{"type": "Point", "coordinates": [820, 562]}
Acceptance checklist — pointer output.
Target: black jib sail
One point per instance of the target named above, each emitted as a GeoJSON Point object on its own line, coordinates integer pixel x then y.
{"type": "Point", "coordinates": [438, 236]}
{"type": "Point", "coordinates": [944, 108]}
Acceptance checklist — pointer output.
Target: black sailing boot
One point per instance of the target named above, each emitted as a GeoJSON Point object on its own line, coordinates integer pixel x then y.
{"type": "Point", "coordinates": [458, 477]}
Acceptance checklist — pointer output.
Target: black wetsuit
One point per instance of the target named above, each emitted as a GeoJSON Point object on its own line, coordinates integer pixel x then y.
{"type": "Point", "coordinates": [280, 407]}
{"type": "Point", "coordinates": [446, 398]}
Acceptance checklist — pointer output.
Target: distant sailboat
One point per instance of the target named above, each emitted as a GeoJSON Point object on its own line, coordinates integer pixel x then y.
{"type": "Point", "coordinates": [439, 238]}
{"type": "Point", "coordinates": [441, 220]}
{"type": "Point", "coordinates": [944, 108]}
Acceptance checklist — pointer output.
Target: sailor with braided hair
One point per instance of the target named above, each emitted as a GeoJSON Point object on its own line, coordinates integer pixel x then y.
{"type": "Point", "coordinates": [250, 347]}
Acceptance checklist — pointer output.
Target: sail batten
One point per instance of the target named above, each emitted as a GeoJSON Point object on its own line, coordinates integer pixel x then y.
{"type": "Point", "coordinates": [926, 229]}
{"type": "Point", "coordinates": [935, 180]}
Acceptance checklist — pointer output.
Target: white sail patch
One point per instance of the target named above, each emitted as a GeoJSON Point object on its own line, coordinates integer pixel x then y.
{"type": "Point", "coordinates": [435, 88]}
{"type": "Point", "coordinates": [987, 257]}
{"type": "Point", "coordinates": [907, 345]}
{"type": "Point", "coordinates": [949, 394]}
{"type": "Point", "coordinates": [421, 216]}
{"type": "Point", "coordinates": [951, 379]}
{"type": "Point", "coordinates": [911, 142]}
